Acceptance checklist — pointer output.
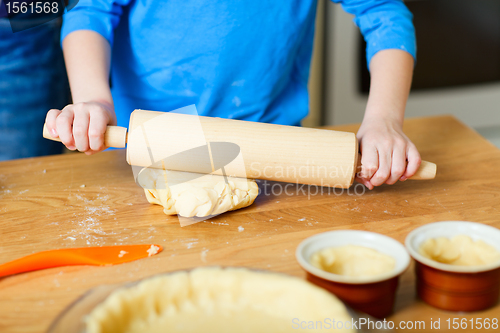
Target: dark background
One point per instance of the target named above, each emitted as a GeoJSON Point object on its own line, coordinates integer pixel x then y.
{"type": "Point", "coordinates": [458, 43]}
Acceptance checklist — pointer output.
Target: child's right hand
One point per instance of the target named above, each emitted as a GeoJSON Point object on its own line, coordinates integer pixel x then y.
{"type": "Point", "coordinates": [81, 126]}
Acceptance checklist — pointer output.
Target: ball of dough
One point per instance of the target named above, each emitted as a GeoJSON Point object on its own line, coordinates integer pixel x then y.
{"type": "Point", "coordinates": [188, 194]}
{"type": "Point", "coordinates": [213, 299]}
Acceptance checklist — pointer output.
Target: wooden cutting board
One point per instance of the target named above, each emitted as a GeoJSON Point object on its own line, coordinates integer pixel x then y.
{"type": "Point", "coordinates": [76, 200]}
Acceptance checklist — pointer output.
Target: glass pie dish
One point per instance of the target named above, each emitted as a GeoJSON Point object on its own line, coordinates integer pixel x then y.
{"type": "Point", "coordinates": [292, 304]}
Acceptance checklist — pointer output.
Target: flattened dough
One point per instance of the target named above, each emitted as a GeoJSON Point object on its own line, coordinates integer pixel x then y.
{"type": "Point", "coordinates": [179, 193]}
{"type": "Point", "coordinates": [213, 299]}
{"type": "Point", "coordinates": [460, 250]}
{"type": "Point", "coordinates": [353, 260]}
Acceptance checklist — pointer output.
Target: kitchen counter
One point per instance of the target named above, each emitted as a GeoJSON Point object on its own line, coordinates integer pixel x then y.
{"type": "Point", "coordinates": [77, 200]}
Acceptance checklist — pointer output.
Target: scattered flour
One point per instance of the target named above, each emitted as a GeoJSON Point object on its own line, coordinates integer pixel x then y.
{"type": "Point", "coordinates": [190, 245]}
{"type": "Point", "coordinates": [240, 228]}
{"type": "Point", "coordinates": [189, 242]}
{"type": "Point", "coordinates": [204, 255]}
{"type": "Point", "coordinates": [218, 223]}
{"type": "Point", "coordinates": [86, 225]}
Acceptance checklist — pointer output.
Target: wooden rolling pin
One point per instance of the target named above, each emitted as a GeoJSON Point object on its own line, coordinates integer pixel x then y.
{"type": "Point", "coordinates": [266, 151]}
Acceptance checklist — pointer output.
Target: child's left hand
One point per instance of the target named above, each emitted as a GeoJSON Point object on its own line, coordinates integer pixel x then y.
{"type": "Point", "coordinates": [386, 153]}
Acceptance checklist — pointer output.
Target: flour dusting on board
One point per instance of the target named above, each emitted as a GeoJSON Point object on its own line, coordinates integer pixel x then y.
{"type": "Point", "coordinates": [87, 225]}
{"type": "Point", "coordinates": [190, 245]}
{"type": "Point", "coordinates": [203, 255]}
{"type": "Point", "coordinates": [217, 223]}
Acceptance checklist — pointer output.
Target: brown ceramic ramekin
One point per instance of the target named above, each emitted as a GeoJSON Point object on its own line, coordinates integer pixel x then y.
{"type": "Point", "coordinates": [372, 295]}
{"type": "Point", "coordinates": [450, 287]}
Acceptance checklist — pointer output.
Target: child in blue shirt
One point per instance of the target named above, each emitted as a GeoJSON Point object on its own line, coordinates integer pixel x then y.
{"type": "Point", "coordinates": [236, 59]}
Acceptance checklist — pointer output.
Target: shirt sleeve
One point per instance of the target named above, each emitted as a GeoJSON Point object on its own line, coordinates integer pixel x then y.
{"type": "Point", "coordinates": [385, 24]}
{"type": "Point", "coordinates": [101, 16]}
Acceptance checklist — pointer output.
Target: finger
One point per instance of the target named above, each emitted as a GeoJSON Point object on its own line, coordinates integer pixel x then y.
{"type": "Point", "coordinates": [64, 124]}
{"type": "Point", "coordinates": [384, 167]}
{"type": "Point", "coordinates": [365, 182]}
{"type": "Point", "coordinates": [97, 128]}
{"type": "Point", "coordinates": [398, 166]}
{"type": "Point", "coordinates": [369, 162]}
{"type": "Point", "coordinates": [50, 122]}
{"type": "Point", "coordinates": [80, 130]}
{"type": "Point", "coordinates": [414, 161]}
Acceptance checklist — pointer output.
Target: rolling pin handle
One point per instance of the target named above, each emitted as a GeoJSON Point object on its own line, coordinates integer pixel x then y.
{"type": "Point", "coordinates": [115, 136]}
{"type": "Point", "coordinates": [427, 170]}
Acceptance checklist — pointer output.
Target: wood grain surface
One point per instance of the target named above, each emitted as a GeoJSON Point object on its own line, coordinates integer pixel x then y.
{"type": "Point", "coordinates": [77, 200]}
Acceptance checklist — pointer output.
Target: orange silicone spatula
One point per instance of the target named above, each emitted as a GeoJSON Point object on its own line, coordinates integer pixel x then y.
{"type": "Point", "coordinates": [95, 256]}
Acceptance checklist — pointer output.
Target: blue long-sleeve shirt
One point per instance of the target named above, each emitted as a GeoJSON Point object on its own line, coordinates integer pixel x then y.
{"type": "Point", "coordinates": [235, 59]}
